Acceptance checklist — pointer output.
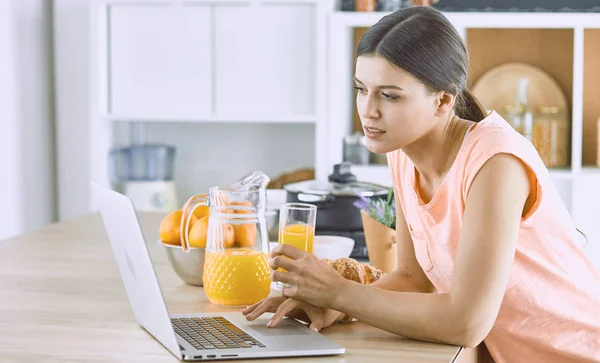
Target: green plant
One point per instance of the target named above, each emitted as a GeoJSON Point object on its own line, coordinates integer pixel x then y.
{"type": "Point", "coordinates": [382, 210]}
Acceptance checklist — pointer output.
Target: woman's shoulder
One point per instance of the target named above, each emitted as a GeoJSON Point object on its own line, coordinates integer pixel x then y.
{"type": "Point", "coordinates": [493, 126]}
{"type": "Point", "coordinates": [495, 135]}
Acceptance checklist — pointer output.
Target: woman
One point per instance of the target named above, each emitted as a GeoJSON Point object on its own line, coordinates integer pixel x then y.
{"type": "Point", "coordinates": [486, 249]}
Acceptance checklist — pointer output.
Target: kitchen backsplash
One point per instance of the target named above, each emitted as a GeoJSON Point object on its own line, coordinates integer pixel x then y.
{"type": "Point", "coordinates": [214, 154]}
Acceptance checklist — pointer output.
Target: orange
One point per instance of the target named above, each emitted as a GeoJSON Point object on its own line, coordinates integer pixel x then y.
{"type": "Point", "coordinates": [200, 211]}
{"type": "Point", "coordinates": [228, 235]}
{"type": "Point", "coordinates": [245, 235]}
{"type": "Point", "coordinates": [245, 203]}
{"type": "Point", "coordinates": [169, 228]}
{"type": "Point", "coordinates": [198, 232]}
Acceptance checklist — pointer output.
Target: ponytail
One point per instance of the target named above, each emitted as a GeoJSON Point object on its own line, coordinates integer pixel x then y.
{"type": "Point", "coordinates": [468, 107]}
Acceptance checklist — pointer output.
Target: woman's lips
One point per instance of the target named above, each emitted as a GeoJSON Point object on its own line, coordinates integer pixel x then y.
{"type": "Point", "coordinates": [373, 132]}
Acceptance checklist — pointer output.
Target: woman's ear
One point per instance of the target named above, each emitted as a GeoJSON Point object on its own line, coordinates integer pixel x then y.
{"type": "Point", "coordinates": [444, 103]}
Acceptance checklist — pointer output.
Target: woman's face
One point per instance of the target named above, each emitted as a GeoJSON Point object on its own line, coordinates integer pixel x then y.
{"type": "Point", "coordinates": [395, 108]}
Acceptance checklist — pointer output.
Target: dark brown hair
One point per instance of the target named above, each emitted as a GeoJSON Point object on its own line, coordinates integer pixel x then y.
{"type": "Point", "coordinates": [421, 41]}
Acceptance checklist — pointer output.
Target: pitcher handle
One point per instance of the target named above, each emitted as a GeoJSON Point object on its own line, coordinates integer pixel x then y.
{"type": "Point", "coordinates": [188, 211]}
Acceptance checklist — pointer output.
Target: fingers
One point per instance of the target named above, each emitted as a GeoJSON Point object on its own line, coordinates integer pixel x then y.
{"type": "Point", "coordinates": [288, 250]}
{"type": "Point", "coordinates": [250, 308]}
{"type": "Point", "coordinates": [280, 276]}
{"type": "Point", "coordinates": [316, 325]}
{"type": "Point", "coordinates": [286, 307]}
{"type": "Point", "coordinates": [289, 291]}
{"type": "Point", "coordinates": [269, 305]}
{"type": "Point", "coordinates": [283, 262]}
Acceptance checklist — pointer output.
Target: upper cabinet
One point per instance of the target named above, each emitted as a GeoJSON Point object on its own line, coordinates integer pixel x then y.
{"type": "Point", "coordinates": [264, 59]}
{"type": "Point", "coordinates": [160, 61]}
{"type": "Point", "coordinates": [211, 61]}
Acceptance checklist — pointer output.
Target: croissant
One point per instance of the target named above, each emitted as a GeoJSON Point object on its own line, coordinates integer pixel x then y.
{"type": "Point", "coordinates": [353, 270]}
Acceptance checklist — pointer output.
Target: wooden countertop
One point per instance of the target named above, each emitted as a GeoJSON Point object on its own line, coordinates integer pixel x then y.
{"type": "Point", "coordinates": [61, 298]}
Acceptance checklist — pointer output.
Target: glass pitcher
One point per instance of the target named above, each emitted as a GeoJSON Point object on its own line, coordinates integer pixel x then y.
{"type": "Point", "coordinates": [236, 269]}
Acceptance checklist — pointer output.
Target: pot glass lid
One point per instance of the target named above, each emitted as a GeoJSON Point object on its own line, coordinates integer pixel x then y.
{"type": "Point", "coordinates": [341, 189]}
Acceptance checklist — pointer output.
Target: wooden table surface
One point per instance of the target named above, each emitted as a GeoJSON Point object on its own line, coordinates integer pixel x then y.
{"type": "Point", "coordinates": [62, 299]}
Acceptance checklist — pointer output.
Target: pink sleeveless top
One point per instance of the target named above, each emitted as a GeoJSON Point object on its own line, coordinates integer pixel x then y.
{"type": "Point", "coordinates": [551, 308]}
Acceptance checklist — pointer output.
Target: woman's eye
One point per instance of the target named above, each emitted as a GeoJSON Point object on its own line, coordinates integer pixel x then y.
{"type": "Point", "coordinates": [359, 89]}
{"type": "Point", "coordinates": [389, 97]}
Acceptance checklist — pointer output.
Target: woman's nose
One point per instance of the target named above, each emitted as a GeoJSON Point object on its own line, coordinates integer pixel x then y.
{"type": "Point", "coordinates": [369, 109]}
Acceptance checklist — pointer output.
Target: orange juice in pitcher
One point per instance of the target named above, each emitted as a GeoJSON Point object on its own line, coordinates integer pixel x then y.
{"type": "Point", "coordinates": [237, 277]}
{"type": "Point", "coordinates": [236, 268]}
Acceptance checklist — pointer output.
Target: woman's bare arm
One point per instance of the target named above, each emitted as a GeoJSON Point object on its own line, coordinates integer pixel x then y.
{"type": "Point", "coordinates": [409, 275]}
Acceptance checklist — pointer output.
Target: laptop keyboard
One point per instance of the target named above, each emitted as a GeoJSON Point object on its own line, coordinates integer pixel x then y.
{"type": "Point", "coordinates": [213, 333]}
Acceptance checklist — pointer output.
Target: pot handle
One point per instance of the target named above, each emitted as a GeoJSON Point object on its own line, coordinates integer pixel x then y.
{"type": "Point", "coordinates": [316, 199]}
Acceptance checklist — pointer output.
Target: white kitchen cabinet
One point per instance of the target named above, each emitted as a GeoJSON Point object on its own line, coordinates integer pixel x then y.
{"type": "Point", "coordinates": [160, 61]}
{"type": "Point", "coordinates": [221, 64]}
{"type": "Point", "coordinates": [265, 59]}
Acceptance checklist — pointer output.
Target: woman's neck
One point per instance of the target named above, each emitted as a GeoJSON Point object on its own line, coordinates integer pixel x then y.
{"type": "Point", "coordinates": [434, 153]}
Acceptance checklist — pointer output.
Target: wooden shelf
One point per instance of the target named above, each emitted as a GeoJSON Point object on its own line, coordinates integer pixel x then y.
{"type": "Point", "coordinates": [548, 49]}
{"type": "Point", "coordinates": [591, 89]}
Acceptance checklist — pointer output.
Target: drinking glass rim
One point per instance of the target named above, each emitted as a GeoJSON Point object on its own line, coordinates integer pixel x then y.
{"type": "Point", "coordinates": [298, 206]}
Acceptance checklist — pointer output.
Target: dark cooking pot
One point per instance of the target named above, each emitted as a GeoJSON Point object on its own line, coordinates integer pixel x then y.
{"type": "Point", "coordinates": [335, 199]}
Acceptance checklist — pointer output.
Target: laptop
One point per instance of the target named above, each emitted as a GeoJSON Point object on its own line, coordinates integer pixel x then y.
{"type": "Point", "coordinates": [197, 335]}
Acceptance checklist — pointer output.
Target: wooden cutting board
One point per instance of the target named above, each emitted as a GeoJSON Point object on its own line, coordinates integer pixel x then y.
{"type": "Point", "coordinates": [498, 87]}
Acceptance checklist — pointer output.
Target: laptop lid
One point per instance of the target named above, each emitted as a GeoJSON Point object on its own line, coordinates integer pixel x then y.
{"type": "Point", "coordinates": [135, 265]}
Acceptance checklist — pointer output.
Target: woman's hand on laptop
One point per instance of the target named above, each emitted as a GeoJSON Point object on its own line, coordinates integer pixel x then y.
{"type": "Point", "coordinates": [317, 318]}
{"type": "Point", "coordinates": [270, 305]}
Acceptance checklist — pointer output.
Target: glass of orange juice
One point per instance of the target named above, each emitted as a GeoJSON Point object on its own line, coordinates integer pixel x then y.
{"type": "Point", "coordinates": [297, 227]}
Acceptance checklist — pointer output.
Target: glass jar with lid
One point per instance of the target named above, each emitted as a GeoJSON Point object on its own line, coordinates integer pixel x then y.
{"type": "Point", "coordinates": [551, 136]}
{"type": "Point", "coordinates": [520, 119]}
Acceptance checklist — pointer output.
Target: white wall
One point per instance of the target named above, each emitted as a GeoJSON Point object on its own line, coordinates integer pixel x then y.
{"type": "Point", "coordinates": [26, 150]}
{"type": "Point", "coordinates": [71, 66]}
{"type": "Point", "coordinates": [11, 213]}
{"type": "Point", "coordinates": [216, 154]}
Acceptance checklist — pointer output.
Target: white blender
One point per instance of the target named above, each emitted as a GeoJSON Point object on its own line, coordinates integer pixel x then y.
{"type": "Point", "coordinates": [144, 172]}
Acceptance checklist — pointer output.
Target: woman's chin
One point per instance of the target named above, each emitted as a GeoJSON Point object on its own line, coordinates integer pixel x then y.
{"type": "Point", "coordinates": [378, 147]}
